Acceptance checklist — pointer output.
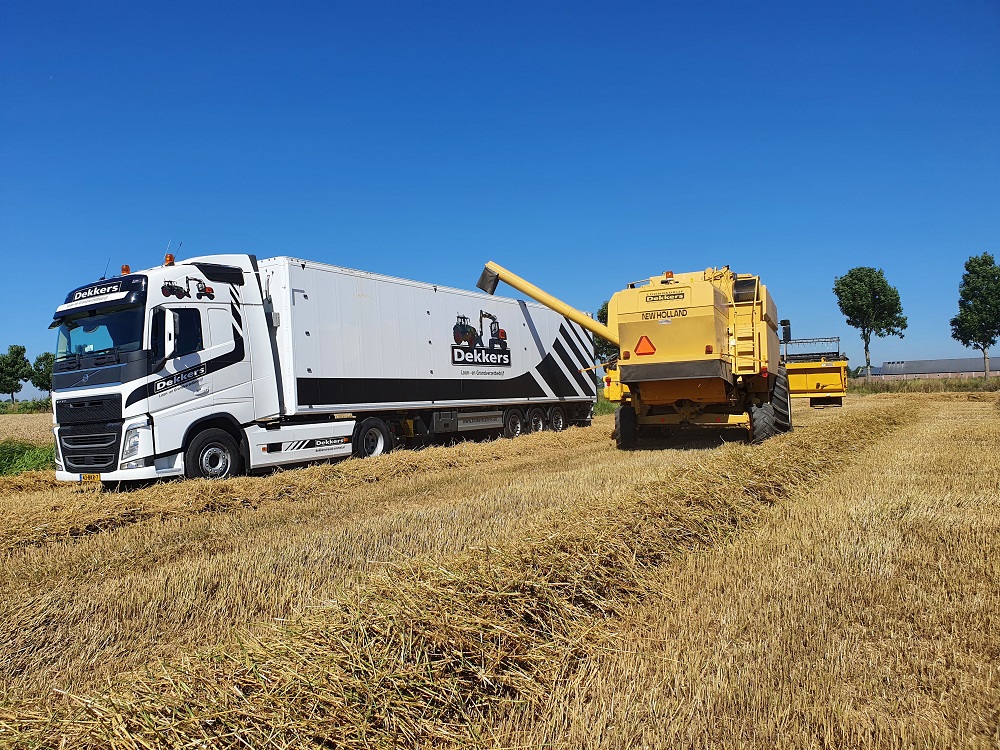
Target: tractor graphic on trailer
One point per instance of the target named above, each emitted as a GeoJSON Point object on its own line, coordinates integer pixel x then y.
{"type": "Point", "coordinates": [466, 334]}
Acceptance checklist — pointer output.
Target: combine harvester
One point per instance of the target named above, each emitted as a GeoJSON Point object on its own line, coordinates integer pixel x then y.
{"type": "Point", "coordinates": [695, 350]}
{"type": "Point", "coordinates": [819, 375]}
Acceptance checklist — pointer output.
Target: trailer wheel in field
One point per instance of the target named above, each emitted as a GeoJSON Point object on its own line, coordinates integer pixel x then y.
{"type": "Point", "coordinates": [557, 419]}
{"type": "Point", "coordinates": [372, 438]}
{"type": "Point", "coordinates": [782, 401]}
{"type": "Point", "coordinates": [626, 429]}
{"type": "Point", "coordinates": [513, 423]}
{"type": "Point", "coordinates": [212, 454]}
{"type": "Point", "coordinates": [762, 423]}
{"type": "Point", "coordinates": [536, 420]}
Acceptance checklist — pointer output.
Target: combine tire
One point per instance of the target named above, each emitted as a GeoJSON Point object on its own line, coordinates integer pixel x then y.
{"type": "Point", "coordinates": [213, 454]}
{"type": "Point", "coordinates": [372, 438]}
{"type": "Point", "coordinates": [513, 423]}
{"type": "Point", "coordinates": [626, 429]}
{"type": "Point", "coordinates": [557, 419]}
{"type": "Point", "coordinates": [536, 420]}
{"type": "Point", "coordinates": [762, 423]}
{"type": "Point", "coordinates": [782, 401]}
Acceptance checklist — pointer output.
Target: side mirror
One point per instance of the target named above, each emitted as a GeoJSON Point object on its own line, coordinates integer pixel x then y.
{"type": "Point", "coordinates": [786, 331]}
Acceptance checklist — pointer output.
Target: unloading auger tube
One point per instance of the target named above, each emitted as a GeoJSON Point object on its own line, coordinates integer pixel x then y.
{"type": "Point", "coordinates": [493, 274]}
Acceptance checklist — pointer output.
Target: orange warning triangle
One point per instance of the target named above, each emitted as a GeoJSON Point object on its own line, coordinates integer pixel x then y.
{"type": "Point", "coordinates": [645, 346]}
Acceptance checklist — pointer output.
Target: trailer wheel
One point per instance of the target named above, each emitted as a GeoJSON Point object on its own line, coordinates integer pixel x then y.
{"type": "Point", "coordinates": [557, 419]}
{"type": "Point", "coordinates": [626, 429]}
{"type": "Point", "coordinates": [513, 423]}
{"type": "Point", "coordinates": [536, 420]}
{"type": "Point", "coordinates": [212, 454]}
{"type": "Point", "coordinates": [762, 423]}
{"type": "Point", "coordinates": [372, 438]}
{"type": "Point", "coordinates": [782, 401]}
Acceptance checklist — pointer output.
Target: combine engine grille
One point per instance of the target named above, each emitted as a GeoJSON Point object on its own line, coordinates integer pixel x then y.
{"type": "Point", "coordinates": [90, 433]}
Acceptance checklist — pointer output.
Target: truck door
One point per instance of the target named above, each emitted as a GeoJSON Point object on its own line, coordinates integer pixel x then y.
{"type": "Point", "coordinates": [230, 364]}
{"type": "Point", "coordinates": [184, 383]}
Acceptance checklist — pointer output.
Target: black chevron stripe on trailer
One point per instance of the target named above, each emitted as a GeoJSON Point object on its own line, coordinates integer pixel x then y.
{"type": "Point", "coordinates": [555, 378]}
{"type": "Point", "coordinates": [574, 369]}
{"type": "Point", "coordinates": [568, 339]}
{"type": "Point", "coordinates": [585, 337]}
{"type": "Point", "coordinates": [585, 370]}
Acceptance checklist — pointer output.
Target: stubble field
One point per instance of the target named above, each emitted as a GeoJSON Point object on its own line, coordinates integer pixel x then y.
{"type": "Point", "coordinates": [835, 587]}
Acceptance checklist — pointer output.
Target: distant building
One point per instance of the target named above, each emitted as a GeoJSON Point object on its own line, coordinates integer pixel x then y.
{"type": "Point", "coordinates": [964, 367]}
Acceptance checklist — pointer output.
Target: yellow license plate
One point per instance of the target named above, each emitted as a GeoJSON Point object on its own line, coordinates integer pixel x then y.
{"type": "Point", "coordinates": [90, 477]}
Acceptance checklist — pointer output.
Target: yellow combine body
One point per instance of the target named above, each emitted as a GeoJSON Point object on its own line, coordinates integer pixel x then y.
{"type": "Point", "coordinates": [820, 373]}
{"type": "Point", "coordinates": [823, 383]}
{"type": "Point", "coordinates": [695, 349]}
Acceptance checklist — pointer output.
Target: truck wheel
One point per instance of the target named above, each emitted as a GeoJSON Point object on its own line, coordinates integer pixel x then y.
{"type": "Point", "coordinates": [626, 429]}
{"type": "Point", "coordinates": [762, 423]}
{"type": "Point", "coordinates": [372, 438]}
{"type": "Point", "coordinates": [513, 423]}
{"type": "Point", "coordinates": [557, 419]}
{"type": "Point", "coordinates": [782, 401]}
{"type": "Point", "coordinates": [213, 454]}
{"type": "Point", "coordinates": [536, 420]}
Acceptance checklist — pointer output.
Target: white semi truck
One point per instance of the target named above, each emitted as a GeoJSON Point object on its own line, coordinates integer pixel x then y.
{"type": "Point", "coordinates": [221, 365]}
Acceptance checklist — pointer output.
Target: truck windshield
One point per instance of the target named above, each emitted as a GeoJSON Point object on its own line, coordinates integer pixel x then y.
{"type": "Point", "coordinates": [117, 330]}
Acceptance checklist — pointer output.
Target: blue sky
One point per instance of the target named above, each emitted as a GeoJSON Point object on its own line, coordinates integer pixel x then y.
{"type": "Point", "coordinates": [584, 145]}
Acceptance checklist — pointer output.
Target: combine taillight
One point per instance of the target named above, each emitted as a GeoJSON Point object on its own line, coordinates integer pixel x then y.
{"type": "Point", "coordinates": [709, 349]}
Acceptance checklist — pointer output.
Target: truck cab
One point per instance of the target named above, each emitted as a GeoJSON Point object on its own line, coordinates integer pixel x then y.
{"type": "Point", "coordinates": [151, 363]}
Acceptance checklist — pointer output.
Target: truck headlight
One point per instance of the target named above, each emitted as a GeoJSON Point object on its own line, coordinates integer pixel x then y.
{"type": "Point", "coordinates": [131, 443]}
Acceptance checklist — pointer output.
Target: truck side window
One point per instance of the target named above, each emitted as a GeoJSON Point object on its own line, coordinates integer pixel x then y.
{"type": "Point", "coordinates": [156, 334]}
{"type": "Point", "coordinates": [189, 339]}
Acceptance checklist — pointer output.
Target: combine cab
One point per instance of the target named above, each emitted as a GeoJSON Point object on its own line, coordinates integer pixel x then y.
{"type": "Point", "coordinates": [695, 349]}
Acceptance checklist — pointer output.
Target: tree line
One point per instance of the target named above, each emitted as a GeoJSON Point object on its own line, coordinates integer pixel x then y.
{"type": "Point", "coordinates": [872, 305]}
{"type": "Point", "coordinates": [16, 370]}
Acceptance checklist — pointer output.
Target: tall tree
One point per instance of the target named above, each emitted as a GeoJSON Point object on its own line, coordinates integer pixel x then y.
{"type": "Point", "coordinates": [41, 372]}
{"type": "Point", "coordinates": [871, 305]}
{"type": "Point", "coordinates": [14, 370]}
{"type": "Point", "coordinates": [977, 324]}
{"type": "Point", "coordinates": [604, 350]}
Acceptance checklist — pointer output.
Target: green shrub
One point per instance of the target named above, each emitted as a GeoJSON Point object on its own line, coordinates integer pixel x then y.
{"type": "Point", "coordinates": [603, 406]}
{"type": "Point", "coordinates": [16, 456]}
{"type": "Point", "coordinates": [29, 406]}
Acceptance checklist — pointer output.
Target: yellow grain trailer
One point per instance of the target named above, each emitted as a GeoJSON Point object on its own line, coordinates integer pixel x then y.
{"type": "Point", "coordinates": [820, 374]}
{"type": "Point", "coordinates": [695, 349]}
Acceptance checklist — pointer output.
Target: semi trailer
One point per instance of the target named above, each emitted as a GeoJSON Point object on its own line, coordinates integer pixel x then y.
{"type": "Point", "coordinates": [694, 350]}
{"type": "Point", "coordinates": [226, 364]}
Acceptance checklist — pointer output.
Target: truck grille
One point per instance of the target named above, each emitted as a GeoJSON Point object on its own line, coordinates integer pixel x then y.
{"type": "Point", "coordinates": [90, 448]}
{"type": "Point", "coordinates": [93, 409]}
{"type": "Point", "coordinates": [90, 432]}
